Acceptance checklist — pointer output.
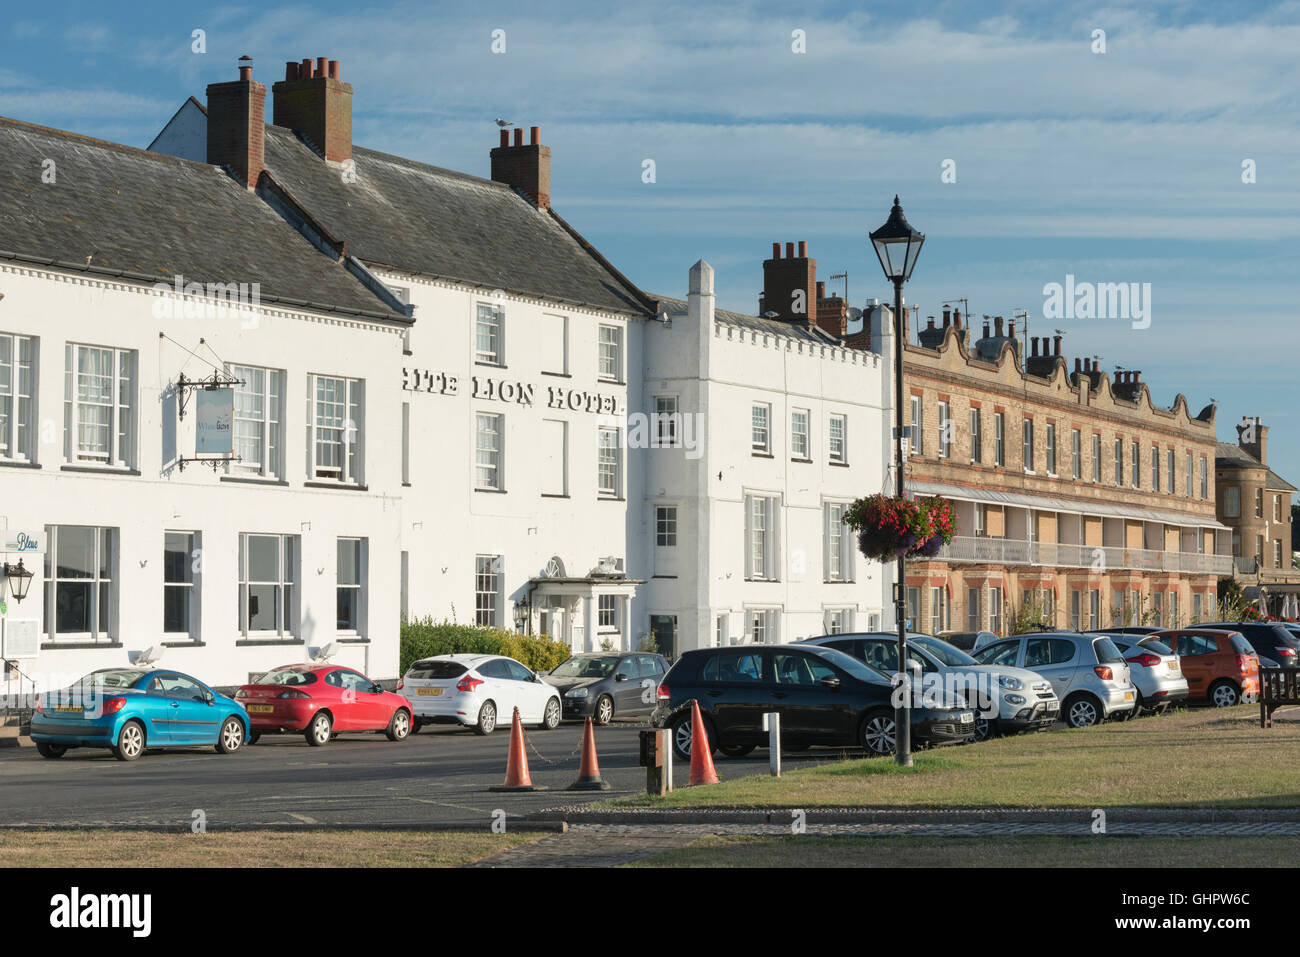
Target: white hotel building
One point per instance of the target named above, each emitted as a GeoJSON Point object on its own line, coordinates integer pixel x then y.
{"type": "Point", "coordinates": [442, 402]}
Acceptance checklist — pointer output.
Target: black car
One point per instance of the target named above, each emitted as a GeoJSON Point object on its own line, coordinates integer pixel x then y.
{"type": "Point", "coordinates": [602, 684]}
{"type": "Point", "coordinates": [1275, 644]}
{"type": "Point", "coordinates": [824, 697]}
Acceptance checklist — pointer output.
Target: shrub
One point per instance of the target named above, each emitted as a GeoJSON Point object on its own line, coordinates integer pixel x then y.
{"type": "Point", "coordinates": [425, 638]}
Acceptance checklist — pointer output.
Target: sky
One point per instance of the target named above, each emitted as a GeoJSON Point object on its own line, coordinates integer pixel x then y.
{"type": "Point", "coordinates": [1122, 166]}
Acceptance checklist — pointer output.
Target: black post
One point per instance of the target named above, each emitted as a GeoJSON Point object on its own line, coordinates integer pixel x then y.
{"type": "Point", "coordinates": [902, 715]}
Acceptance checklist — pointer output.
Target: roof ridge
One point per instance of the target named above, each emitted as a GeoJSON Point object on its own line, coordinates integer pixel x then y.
{"type": "Point", "coordinates": [10, 122]}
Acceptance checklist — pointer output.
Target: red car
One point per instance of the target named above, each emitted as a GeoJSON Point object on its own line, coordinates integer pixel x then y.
{"type": "Point", "coordinates": [320, 701]}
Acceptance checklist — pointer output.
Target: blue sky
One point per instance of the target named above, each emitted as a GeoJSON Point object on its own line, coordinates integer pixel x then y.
{"type": "Point", "coordinates": [1117, 167]}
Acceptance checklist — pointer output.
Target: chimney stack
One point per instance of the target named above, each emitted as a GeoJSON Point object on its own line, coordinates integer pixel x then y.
{"type": "Point", "coordinates": [526, 168]}
{"type": "Point", "coordinates": [1258, 447]}
{"type": "Point", "coordinates": [312, 101]}
{"type": "Point", "coordinates": [237, 125]}
{"type": "Point", "coordinates": [790, 284]}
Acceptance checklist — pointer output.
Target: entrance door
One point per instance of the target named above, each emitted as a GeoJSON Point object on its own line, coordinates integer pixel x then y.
{"type": "Point", "coordinates": [663, 628]}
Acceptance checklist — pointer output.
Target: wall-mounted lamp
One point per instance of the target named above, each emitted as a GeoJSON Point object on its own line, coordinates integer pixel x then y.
{"type": "Point", "coordinates": [19, 580]}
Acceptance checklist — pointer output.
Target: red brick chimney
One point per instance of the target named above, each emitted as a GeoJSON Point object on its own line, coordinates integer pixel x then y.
{"type": "Point", "coordinates": [526, 168]}
{"type": "Point", "coordinates": [313, 101]}
{"type": "Point", "coordinates": [1259, 447]}
{"type": "Point", "coordinates": [236, 125]}
{"type": "Point", "coordinates": [784, 278]}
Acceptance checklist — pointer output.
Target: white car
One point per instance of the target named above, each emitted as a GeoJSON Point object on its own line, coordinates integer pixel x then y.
{"type": "Point", "coordinates": [479, 692]}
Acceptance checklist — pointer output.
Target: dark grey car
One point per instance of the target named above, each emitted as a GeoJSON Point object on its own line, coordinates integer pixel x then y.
{"type": "Point", "coordinates": [605, 684]}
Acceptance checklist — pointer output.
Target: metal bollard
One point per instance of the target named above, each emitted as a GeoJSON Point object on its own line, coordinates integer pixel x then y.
{"type": "Point", "coordinates": [772, 725]}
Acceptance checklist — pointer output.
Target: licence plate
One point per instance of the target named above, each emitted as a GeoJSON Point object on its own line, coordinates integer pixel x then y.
{"type": "Point", "coordinates": [1128, 696]}
{"type": "Point", "coordinates": [1174, 670]}
{"type": "Point", "coordinates": [261, 708]}
{"type": "Point", "coordinates": [432, 691]}
{"type": "Point", "coordinates": [967, 717]}
{"type": "Point", "coordinates": [69, 709]}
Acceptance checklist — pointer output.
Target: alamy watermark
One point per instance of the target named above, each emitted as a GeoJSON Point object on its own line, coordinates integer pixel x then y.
{"type": "Point", "coordinates": [1105, 300]}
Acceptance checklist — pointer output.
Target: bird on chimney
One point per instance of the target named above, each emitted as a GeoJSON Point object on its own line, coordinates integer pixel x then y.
{"type": "Point", "coordinates": [503, 123]}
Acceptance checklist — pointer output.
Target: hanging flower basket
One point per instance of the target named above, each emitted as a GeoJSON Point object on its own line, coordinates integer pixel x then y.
{"type": "Point", "coordinates": [889, 527]}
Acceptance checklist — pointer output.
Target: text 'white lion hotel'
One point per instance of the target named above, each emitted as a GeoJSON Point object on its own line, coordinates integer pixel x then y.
{"type": "Point", "coordinates": [447, 403]}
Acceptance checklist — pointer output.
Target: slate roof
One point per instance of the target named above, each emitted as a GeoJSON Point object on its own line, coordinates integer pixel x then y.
{"type": "Point", "coordinates": [1229, 456]}
{"type": "Point", "coordinates": [422, 219]}
{"type": "Point", "coordinates": [772, 327]}
{"type": "Point", "coordinates": [125, 212]}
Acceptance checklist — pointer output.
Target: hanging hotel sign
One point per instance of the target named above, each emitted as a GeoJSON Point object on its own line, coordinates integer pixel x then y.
{"type": "Point", "coordinates": [511, 391]}
{"type": "Point", "coordinates": [214, 426]}
{"type": "Point", "coordinates": [20, 541]}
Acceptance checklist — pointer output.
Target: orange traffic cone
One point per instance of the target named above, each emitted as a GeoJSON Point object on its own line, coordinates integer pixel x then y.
{"type": "Point", "coordinates": [701, 750]}
{"type": "Point", "coordinates": [589, 770]}
{"type": "Point", "coordinates": [517, 778]}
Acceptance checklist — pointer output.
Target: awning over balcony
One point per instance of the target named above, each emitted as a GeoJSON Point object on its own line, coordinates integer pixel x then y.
{"type": "Point", "coordinates": [1046, 504]}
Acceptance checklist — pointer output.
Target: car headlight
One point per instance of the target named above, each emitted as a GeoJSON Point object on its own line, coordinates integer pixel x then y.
{"type": "Point", "coordinates": [1007, 681]}
{"type": "Point", "coordinates": [576, 693]}
{"type": "Point", "coordinates": [1016, 699]}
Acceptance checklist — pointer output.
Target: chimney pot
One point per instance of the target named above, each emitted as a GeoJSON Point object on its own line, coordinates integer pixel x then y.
{"type": "Point", "coordinates": [322, 66]}
{"type": "Point", "coordinates": [1056, 345]}
{"type": "Point", "coordinates": [930, 323]}
{"type": "Point", "coordinates": [1077, 365]}
{"type": "Point", "coordinates": [803, 249]}
{"type": "Point", "coordinates": [776, 250]}
{"type": "Point", "coordinates": [821, 290]}
{"type": "Point", "coordinates": [534, 135]}
{"type": "Point", "coordinates": [1033, 346]}
{"type": "Point", "coordinates": [789, 250]}
{"type": "Point", "coordinates": [1011, 333]}
{"type": "Point", "coordinates": [505, 138]}
{"type": "Point", "coordinates": [304, 69]}
{"type": "Point", "coordinates": [986, 327]}
{"type": "Point", "coordinates": [956, 318]}
{"type": "Point", "coordinates": [291, 70]}
{"type": "Point", "coordinates": [519, 136]}
{"type": "Point", "coordinates": [997, 325]}
{"type": "Point", "coordinates": [334, 69]}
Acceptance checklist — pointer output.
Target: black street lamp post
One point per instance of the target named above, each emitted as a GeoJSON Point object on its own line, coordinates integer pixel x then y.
{"type": "Point", "coordinates": [898, 245]}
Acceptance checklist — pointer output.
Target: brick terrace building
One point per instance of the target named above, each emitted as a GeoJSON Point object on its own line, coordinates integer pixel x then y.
{"type": "Point", "coordinates": [1073, 490]}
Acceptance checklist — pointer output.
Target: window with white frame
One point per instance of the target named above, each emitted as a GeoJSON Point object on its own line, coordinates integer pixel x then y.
{"type": "Point", "coordinates": [611, 353]}
{"type": "Point", "coordinates": [762, 625]}
{"type": "Point", "coordinates": [259, 412]}
{"type": "Point", "coordinates": [667, 422]}
{"type": "Point", "coordinates": [1190, 485]}
{"type": "Point", "coordinates": [1135, 463]}
{"type": "Point", "coordinates": [916, 436]}
{"type": "Point", "coordinates": [995, 610]}
{"type": "Point", "coordinates": [913, 607]}
{"type": "Point", "coordinates": [1096, 457]}
{"type": "Point", "coordinates": [1027, 450]}
{"type": "Point", "coordinates": [839, 544]}
{"type": "Point", "coordinates": [80, 582]}
{"type": "Point", "coordinates": [720, 632]}
{"type": "Point", "coordinates": [1232, 501]}
{"type": "Point", "coordinates": [17, 405]}
{"type": "Point", "coordinates": [609, 457]}
{"type": "Point", "coordinates": [180, 584]}
{"type": "Point", "coordinates": [981, 519]}
{"type": "Point", "coordinates": [1076, 454]}
{"type": "Point", "coordinates": [944, 444]}
{"type": "Point", "coordinates": [1169, 470]}
{"type": "Point", "coordinates": [938, 609]}
{"type": "Point", "coordinates": [1155, 469]}
{"type": "Point", "coordinates": [837, 446]}
{"type": "Point", "coordinates": [1119, 461]}
{"type": "Point", "coordinates": [489, 321]}
{"type": "Point", "coordinates": [972, 609]}
{"type": "Point", "coordinates": [799, 419]}
{"type": "Point", "coordinates": [334, 410]}
{"type": "Point", "coordinates": [761, 537]}
{"type": "Point", "coordinates": [1277, 508]}
{"type": "Point", "coordinates": [1205, 484]}
{"type": "Point", "coordinates": [1051, 448]}
{"type": "Point", "coordinates": [976, 436]}
{"type": "Point", "coordinates": [607, 612]}
{"type": "Point", "coordinates": [760, 430]}
{"type": "Point", "coordinates": [999, 439]}
{"type": "Point", "coordinates": [489, 439]}
{"type": "Point", "coordinates": [1277, 553]}
{"type": "Point", "coordinates": [487, 589]}
{"type": "Point", "coordinates": [838, 621]}
{"type": "Point", "coordinates": [350, 586]}
{"type": "Point", "coordinates": [268, 572]}
{"type": "Point", "coordinates": [98, 405]}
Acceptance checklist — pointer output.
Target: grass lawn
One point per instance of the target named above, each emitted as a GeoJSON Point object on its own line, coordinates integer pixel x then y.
{"type": "Point", "coordinates": [895, 852]}
{"type": "Point", "coordinates": [357, 848]}
{"type": "Point", "coordinates": [1203, 757]}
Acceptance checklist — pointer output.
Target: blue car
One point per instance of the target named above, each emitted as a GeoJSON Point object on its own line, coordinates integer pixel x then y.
{"type": "Point", "coordinates": [129, 709]}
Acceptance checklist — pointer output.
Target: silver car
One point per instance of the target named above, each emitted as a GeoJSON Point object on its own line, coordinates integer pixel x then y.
{"type": "Point", "coordinates": [1025, 700]}
{"type": "Point", "coordinates": [1088, 673]}
{"type": "Point", "coordinates": [1156, 671]}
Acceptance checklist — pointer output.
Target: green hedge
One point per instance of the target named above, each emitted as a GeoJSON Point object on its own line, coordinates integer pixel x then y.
{"type": "Point", "coordinates": [425, 638]}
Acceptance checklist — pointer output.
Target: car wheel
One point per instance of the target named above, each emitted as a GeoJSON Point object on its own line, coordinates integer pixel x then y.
{"type": "Point", "coordinates": [604, 710]}
{"type": "Point", "coordinates": [320, 731]}
{"type": "Point", "coordinates": [877, 733]}
{"type": "Point", "coordinates": [551, 716]}
{"type": "Point", "coordinates": [1082, 711]}
{"type": "Point", "coordinates": [737, 750]}
{"type": "Point", "coordinates": [130, 742]}
{"type": "Point", "coordinates": [487, 718]}
{"type": "Point", "coordinates": [1224, 694]}
{"type": "Point", "coordinates": [984, 728]}
{"type": "Point", "coordinates": [50, 750]}
{"type": "Point", "coordinates": [231, 736]}
{"type": "Point", "coordinates": [399, 726]}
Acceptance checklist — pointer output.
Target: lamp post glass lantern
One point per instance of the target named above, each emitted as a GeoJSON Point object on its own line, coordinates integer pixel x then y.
{"type": "Point", "coordinates": [19, 580]}
{"type": "Point", "coordinates": [898, 246]}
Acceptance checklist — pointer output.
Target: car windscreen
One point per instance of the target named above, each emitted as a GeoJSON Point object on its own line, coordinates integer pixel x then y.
{"type": "Point", "coordinates": [1155, 646]}
{"type": "Point", "coordinates": [858, 669]}
{"type": "Point", "coordinates": [601, 666]}
{"type": "Point", "coordinates": [1107, 653]}
{"type": "Point", "coordinates": [435, 670]}
{"type": "Point", "coordinates": [111, 678]}
{"type": "Point", "coordinates": [947, 654]}
{"type": "Point", "coordinates": [287, 676]}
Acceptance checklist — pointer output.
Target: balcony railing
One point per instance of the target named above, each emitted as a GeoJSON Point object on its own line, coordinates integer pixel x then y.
{"type": "Point", "coordinates": [1246, 565]}
{"type": "Point", "coordinates": [1010, 551]}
